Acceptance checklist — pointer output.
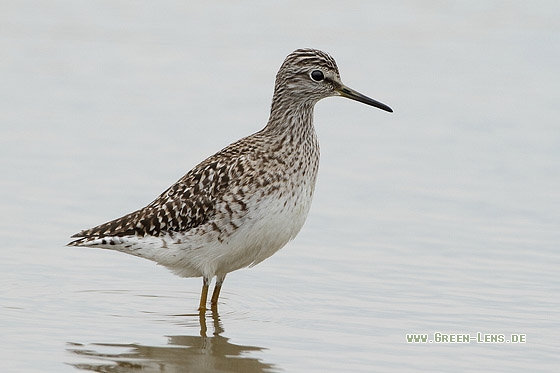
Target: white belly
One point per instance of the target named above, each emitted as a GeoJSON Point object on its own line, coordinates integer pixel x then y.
{"type": "Point", "coordinates": [268, 229]}
{"type": "Point", "coordinates": [270, 223]}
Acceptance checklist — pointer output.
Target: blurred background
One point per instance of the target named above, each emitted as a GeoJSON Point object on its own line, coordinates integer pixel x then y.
{"type": "Point", "coordinates": [441, 217]}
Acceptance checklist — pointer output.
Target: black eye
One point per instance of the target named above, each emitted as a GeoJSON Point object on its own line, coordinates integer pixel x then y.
{"type": "Point", "coordinates": [317, 75]}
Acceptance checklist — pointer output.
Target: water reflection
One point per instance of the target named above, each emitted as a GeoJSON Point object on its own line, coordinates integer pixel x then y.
{"type": "Point", "coordinates": [184, 353]}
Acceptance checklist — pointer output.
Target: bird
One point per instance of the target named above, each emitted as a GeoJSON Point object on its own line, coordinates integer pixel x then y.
{"type": "Point", "coordinates": [244, 203]}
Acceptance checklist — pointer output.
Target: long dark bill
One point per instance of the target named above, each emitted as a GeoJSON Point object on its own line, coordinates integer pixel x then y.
{"type": "Point", "coordinates": [344, 91]}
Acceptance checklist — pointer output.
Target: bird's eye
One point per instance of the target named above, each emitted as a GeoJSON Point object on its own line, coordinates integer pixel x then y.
{"type": "Point", "coordinates": [317, 75]}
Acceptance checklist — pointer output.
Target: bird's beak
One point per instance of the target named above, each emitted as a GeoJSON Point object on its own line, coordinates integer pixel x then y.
{"type": "Point", "coordinates": [344, 91]}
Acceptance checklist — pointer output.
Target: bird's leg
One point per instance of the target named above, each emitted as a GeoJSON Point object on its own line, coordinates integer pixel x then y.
{"type": "Point", "coordinates": [219, 281]}
{"type": "Point", "coordinates": [204, 293]}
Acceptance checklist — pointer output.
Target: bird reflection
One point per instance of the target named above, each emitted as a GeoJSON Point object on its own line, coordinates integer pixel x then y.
{"type": "Point", "coordinates": [184, 353]}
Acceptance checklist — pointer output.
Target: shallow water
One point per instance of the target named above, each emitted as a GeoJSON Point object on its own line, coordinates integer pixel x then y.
{"type": "Point", "coordinates": [441, 217]}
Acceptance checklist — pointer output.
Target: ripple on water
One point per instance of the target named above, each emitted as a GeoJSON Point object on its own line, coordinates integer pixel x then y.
{"type": "Point", "coordinates": [148, 335]}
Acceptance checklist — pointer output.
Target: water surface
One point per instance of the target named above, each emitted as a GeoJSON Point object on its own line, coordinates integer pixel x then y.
{"type": "Point", "coordinates": [440, 217]}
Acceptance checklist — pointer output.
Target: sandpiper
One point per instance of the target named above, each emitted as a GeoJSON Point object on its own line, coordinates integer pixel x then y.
{"type": "Point", "coordinates": [242, 204]}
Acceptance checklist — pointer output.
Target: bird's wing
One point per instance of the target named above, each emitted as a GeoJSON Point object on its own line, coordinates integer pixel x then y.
{"type": "Point", "coordinates": [188, 203]}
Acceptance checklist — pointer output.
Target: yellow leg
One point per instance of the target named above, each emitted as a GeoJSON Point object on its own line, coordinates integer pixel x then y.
{"type": "Point", "coordinates": [203, 294]}
{"type": "Point", "coordinates": [216, 292]}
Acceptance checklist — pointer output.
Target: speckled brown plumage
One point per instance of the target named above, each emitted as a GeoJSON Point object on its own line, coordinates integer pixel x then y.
{"type": "Point", "coordinates": [241, 205]}
{"type": "Point", "coordinates": [196, 198]}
